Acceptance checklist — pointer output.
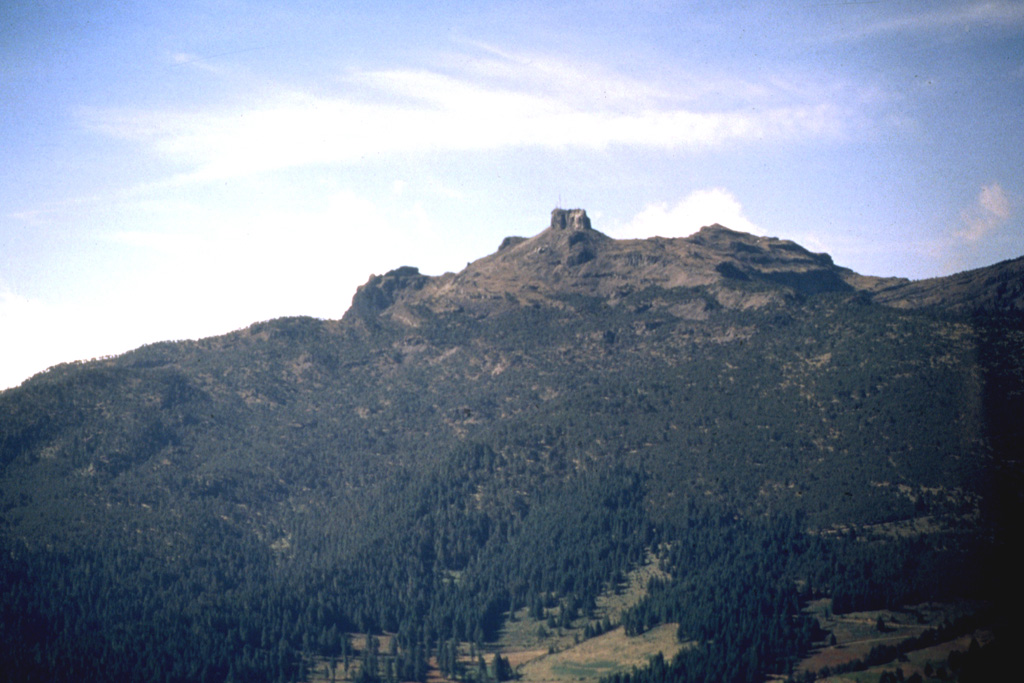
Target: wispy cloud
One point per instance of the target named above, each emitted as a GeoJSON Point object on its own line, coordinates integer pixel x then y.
{"type": "Point", "coordinates": [699, 208]}
{"type": "Point", "coordinates": [990, 211]}
{"type": "Point", "coordinates": [558, 77]}
{"type": "Point", "coordinates": [500, 102]}
{"type": "Point", "coordinates": [955, 15]}
{"type": "Point", "coordinates": [195, 61]}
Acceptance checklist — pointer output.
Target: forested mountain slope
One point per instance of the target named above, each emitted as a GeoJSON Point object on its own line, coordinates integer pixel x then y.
{"type": "Point", "coordinates": [773, 426]}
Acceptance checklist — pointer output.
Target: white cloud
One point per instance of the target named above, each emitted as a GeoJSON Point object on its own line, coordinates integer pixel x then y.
{"type": "Point", "coordinates": [232, 267]}
{"type": "Point", "coordinates": [183, 57]}
{"type": "Point", "coordinates": [505, 103]}
{"type": "Point", "coordinates": [49, 334]}
{"type": "Point", "coordinates": [22, 355]}
{"type": "Point", "coordinates": [227, 269]}
{"type": "Point", "coordinates": [698, 209]}
{"type": "Point", "coordinates": [994, 202]}
{"type": "Point", "coordinates": [990, 212]}
{"type": "Point", "coordinates": [553, 76]}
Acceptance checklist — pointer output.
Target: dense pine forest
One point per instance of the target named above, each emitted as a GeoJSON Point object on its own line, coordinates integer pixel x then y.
{"type": "Point", "coordinates": [236, 508]}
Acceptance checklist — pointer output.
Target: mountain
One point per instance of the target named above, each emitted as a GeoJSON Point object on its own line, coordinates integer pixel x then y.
{"type": "Point", "coordinates": [515, 443]}
{"type": "Point", "coordinates": [997, 288]}
{"type": "Point", "coordinates": [570, 257]}
{"type": "Point", "coordinates": [738, 270]}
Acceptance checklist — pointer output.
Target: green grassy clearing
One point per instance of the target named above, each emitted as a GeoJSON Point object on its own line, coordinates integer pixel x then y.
{"type": "Point", "coordinates": [857, 633]}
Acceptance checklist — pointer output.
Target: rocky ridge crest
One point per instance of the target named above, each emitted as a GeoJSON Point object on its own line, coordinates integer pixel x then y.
{"type": "Point", "coordinates": [737, 269]}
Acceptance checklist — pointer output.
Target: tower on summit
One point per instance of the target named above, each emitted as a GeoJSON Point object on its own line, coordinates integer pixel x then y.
{"type": "Point", "coordinates": [570, 219]}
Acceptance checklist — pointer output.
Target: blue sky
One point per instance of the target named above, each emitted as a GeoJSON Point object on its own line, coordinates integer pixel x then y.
{"type": "Point", "coordinates": [178, 170]}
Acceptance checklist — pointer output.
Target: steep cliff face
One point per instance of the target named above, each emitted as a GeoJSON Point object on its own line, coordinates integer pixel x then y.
{"type": "Point", "coordinates": [381, 291]}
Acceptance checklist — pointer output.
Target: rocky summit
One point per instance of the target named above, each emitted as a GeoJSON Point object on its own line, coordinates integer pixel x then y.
{"type": "Point", "coordinates": [736, 269]}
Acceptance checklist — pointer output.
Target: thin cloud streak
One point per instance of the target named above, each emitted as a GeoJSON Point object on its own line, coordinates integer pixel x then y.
{"type": "Point", "coordinates": [533, 72]}
{"type": "Point", "coordinates": [402, 111]}
{"type": "Point", "coordinates": [996, 14]}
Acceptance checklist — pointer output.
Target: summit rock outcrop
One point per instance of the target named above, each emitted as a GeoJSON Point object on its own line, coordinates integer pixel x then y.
{"type": "Point", "coordinates": [569, 219]}
{"type": "Point", "coordinates": [569, 257]}
{"type": "Point", "coordinates": [715, 266]}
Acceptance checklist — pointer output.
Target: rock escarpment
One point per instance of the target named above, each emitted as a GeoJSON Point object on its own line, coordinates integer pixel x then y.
{"type": "Point", "coordinates": [381, 291]}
